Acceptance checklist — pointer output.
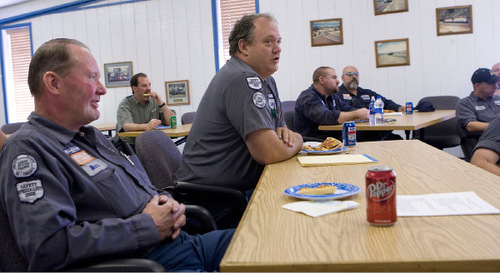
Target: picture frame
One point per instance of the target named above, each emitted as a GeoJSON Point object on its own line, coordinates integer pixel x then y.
{"type": "Point", "coordinates": [394, 52]}
{"type": "Point", "coordinates": [454, 20]}
{"type": "Point", "coordinates": [177, 92]}
{"type": "Point", "coordinates": [326, 32]}
{"type": "Point", "coordinates": [118, 74]}
{"type": "Point", "coordinates": [389, 6]}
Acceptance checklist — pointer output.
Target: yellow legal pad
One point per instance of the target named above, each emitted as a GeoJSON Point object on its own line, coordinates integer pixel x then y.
{"type": "Point", "coordinates": [307, 161]}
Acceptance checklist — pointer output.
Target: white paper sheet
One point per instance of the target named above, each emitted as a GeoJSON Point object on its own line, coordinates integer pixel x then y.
{"type": "Point", "coordinates": [457, 203]}
{"type": "Point", "coordinates": [320, 208]}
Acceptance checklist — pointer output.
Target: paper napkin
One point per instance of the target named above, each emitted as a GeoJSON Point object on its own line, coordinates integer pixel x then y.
{"type": "Point", "coordinates": [335, 159]}
{"type": "Point", "coordinates": [320, 208]}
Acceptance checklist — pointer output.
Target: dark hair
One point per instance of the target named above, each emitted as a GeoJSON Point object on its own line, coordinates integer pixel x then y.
{"type": "Point", "coordinates": [54, 56]}
{"type": "Point", "coordinates": [134, 81]}
{"type": "Point", "coordinates": [243, 29]}
{"type": "Point", "coordinates": [320, 72]}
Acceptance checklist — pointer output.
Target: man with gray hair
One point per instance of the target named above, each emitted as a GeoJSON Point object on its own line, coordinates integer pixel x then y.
{"type": "Point", "coordinates": [239, 125]}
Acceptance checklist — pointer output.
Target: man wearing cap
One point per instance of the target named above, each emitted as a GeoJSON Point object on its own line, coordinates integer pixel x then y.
{"type": "Point", "coordinates": [481, 106]}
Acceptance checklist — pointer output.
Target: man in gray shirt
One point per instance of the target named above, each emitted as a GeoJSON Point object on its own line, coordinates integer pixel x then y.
{"type": "Point", "coordinates": [144, 110]}
{"type": "Point", "coordinates": [239, 125]}
{"type": "Point", "coordinates": [481, 106]}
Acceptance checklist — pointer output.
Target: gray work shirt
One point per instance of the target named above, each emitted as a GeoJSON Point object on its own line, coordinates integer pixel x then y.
{"type": "Point", "coordinates": [72, 196]}
{"type": "Point", "coordinates": [474, 108]}
{"type": "Point", "coordinates": [236, 103]}
{"type": "Point", "coordinates": [490, 139]}
{"type": "Point", "coordinates": [130, 110]}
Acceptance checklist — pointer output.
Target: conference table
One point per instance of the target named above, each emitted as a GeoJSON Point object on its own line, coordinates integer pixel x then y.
{"type": "Point", "coordinates": [103, 127]}
{"type": "Point", "coordinates": [181, 131]}
{"type": "Point", "coordinates": [406, 122]}
{"type": "Point", "coordinates": [271, 238]}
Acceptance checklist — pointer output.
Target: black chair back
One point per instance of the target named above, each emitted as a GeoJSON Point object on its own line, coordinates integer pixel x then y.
{"type": "Point", "coordinates": [188, 117]}
{"type": "Point", "coordinates": [11, 128]}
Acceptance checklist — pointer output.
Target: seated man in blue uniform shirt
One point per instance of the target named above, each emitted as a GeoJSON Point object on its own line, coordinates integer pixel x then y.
{"type": "Point", "coordinates": [487, 151]}
{"type": "Point", "coordinates": [320, 105]}
{"type": "Point", "coordinates": [71, 197]}
{"type": "Point", "coordinates": [358, 97]}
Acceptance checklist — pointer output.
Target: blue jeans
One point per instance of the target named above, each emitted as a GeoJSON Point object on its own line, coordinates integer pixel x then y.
{"type": "Point", "coordinates": [193, 252]}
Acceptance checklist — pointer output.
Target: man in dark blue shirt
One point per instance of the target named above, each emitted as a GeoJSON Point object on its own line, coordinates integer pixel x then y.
{"type": "Point", "coordinates": [320, 105]}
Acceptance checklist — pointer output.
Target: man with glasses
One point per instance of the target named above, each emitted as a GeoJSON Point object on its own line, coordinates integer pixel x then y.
{"type": "Point", "coordinates": [358, 97]}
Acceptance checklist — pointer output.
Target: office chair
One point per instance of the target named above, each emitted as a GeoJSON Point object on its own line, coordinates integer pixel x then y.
{"type": "Point", "coordinates": [467, 141]}
{"type": "Point", "coordinates": [10, 128]}
{"type": "Point", "coordinates": [288, 105]}
{"type": "Point", "coordinates": [444, 134]}
{"type": "Point", "coordinates": [11, 259]}
{"type": "Point", "coordinates": [161, 158]}
{"type": "Point", "coordinates": [188, 117]}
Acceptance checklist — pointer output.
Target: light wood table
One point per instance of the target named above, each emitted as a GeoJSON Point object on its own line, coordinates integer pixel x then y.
{"type": "Point", "coordinates": [270, 238]}
{"type": "Point", "coordinates": [182, 131]}
{"type": "Point", "coordinates": [408, 123]}
{"type": "Point", "coordinates": [109, 127]}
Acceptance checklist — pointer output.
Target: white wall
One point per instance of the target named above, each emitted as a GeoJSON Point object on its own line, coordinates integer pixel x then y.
{"type": "Point", "coordinates": [173, 40]}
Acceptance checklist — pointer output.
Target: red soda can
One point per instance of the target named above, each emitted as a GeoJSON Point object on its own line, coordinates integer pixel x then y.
{"type": "Point", "coordinates": [381, 196]}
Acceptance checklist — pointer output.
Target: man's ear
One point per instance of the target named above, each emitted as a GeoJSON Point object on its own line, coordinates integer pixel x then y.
{"type": "Point", "coordinates": [51, 81]}
{"type": "Point", "coordinates": [242, 46]}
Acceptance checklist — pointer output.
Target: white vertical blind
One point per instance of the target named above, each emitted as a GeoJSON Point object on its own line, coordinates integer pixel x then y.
{"type": "Point", "coordinates": [20, 101]}
{"type": "Point", "coordinates": [231, 11]}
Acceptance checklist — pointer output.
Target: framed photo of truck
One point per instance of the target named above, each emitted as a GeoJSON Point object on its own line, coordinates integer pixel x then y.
{"type": "Point", "coordinates": [454, 20]}
{"type": "Point", "coordinates": [117, 74]}
{"type": "Point", "coordinates": [177, 92]}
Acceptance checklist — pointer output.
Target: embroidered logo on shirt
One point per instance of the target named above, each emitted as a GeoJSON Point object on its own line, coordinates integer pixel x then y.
{"type": "Point", "coordinates": [82, 158]}
{"type": "Point", "coordinates": [30, 191]}
{"type": "Point", "coordinates": [347, 96]}
{"type": "Point", "coordinates": [480, 107]}
{"type": "Point", "coordinates": [94, 167]}
{"type": "Point", "coordinates": [254, 83]}
{"type": "Point", "coordinates": [259, 99]}
{"type": "Point", "coordinates": [24, 166]}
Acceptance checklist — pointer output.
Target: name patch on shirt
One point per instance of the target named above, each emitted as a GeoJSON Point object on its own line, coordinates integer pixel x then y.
{"type": "Point", "coordinates": [480, 107]}
{"type": "Point", "coordinates": [254, 83]}
{"type": "Point", "coordinates": [259, 99]}
{"type": "Point", "coordinates": [94, 167]}
{"type": "Point", "coordinates": [365, 97]}
{"type": "Point", "coordinates": [81, 158]}
{"type": "Point", "coordinates": [24, 166]}
{"type": "Point", "coordinates": [71, 150]}
{"type": "Point", "coordinates": [497, 102]}
{"type": "Point", "coordinates": [30, 191]}
{"type": "Point", "coordinates": [347, 96]}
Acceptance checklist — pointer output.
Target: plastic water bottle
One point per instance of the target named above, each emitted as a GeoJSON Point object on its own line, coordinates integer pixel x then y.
{"type": "Point", "coordinates": [372, 111]}
{"type": "Point", "coordinates": [379, 111]}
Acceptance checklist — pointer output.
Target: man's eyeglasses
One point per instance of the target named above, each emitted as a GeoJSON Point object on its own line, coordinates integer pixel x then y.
{"type": "Point", "coordinates": [352, 74]}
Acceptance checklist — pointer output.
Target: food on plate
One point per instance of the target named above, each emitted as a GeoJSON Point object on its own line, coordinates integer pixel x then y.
{"type": "Point", "coordinates": [389, 111]}
{"type": "Point", "coordinates": [330, 143]}
{"type": "Point", "coordinates": [320, 190]}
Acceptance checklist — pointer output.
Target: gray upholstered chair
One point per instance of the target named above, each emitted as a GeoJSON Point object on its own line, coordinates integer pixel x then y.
{"type": "Point", "coordinates": [188, 117]}
{"type": "Point", "coordinates": [10, 128]}
{"type": "Point", "coordinates": [444, 134]}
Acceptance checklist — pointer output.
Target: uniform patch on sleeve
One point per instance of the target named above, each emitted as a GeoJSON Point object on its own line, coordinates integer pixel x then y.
{"type": "Point", "coordinates": [30, 191]}
{"type": "Point", "coordinates": [346, 96]}
{"type": "Point", "coordinates": [24, 166]}
{"type": "Point", "coordinates": [259, 99]}
{"type": "Point", "coordinates": [254, 83]}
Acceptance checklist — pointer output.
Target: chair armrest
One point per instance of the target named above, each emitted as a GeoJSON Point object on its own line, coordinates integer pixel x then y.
{"type": "Point", "coordinates": [187, 187]}
{"type": "Point", "coordinates": [203, 216]}
{"type": "Point", "coordinates": [121, 265]}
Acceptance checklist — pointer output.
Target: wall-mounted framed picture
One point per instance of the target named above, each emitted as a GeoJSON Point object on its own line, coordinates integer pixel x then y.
{"type": "Point", "coordinates": [118, 74]}
{"type": "Point", "coordinates": [392, 52]}
{"type": "Point", "coordinates": [390, 6]}
{"type": "Point", "coordinates": [326, 32]}
{"type": "Point", "coordinates": [177, 92]}
{"type": "Point", "coordinates": [454, 20]}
